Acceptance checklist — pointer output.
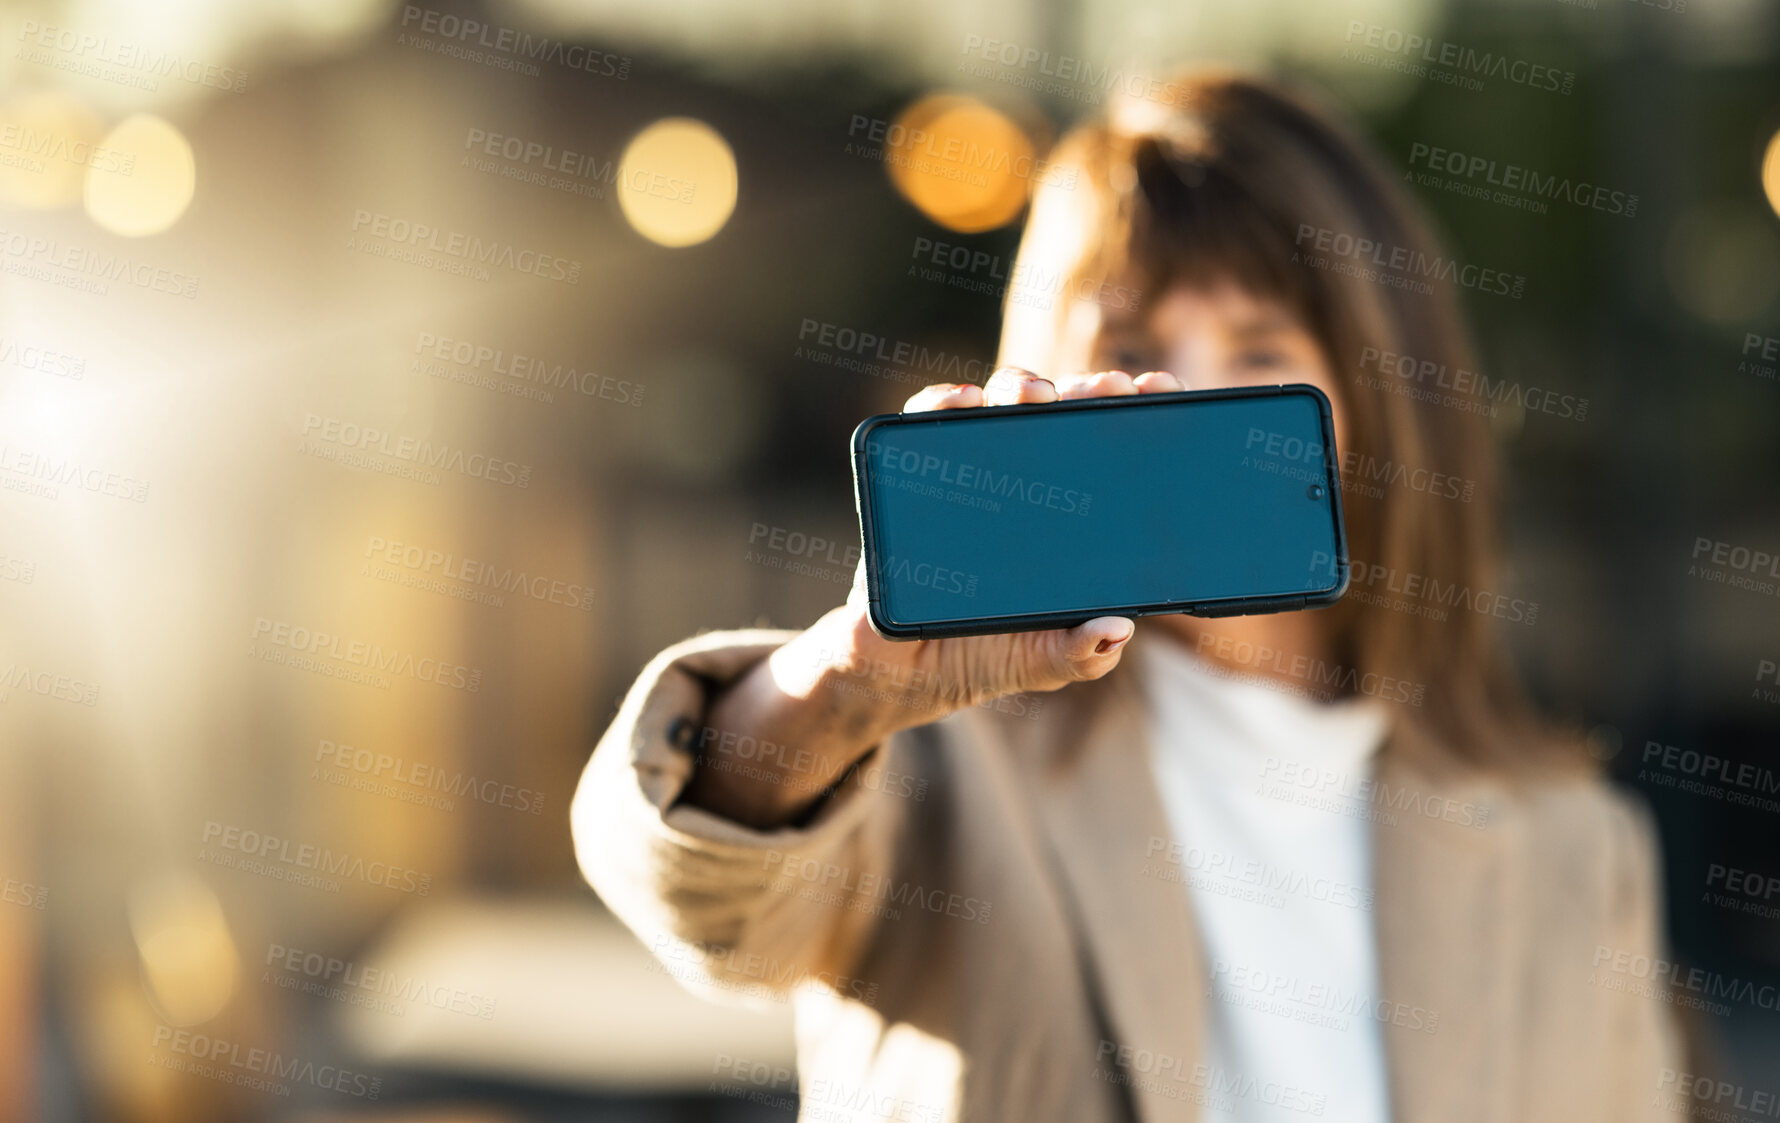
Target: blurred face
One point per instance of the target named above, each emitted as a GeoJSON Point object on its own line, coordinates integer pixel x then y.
{"type": "Point", "coordinates": [1220, 337]}
{"type": "Point", "coordinates": [1210, 339]}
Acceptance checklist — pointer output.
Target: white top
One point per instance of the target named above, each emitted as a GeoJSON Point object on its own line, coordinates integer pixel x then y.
{"type": "Point", "coordinates": [1275, 852]}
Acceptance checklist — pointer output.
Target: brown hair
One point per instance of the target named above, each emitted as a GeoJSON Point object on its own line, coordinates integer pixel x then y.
{"type": "Point", "coordinates": [1237, 180]}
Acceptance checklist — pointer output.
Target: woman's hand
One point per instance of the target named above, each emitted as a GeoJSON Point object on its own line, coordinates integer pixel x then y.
{"type": "Point", "coordinates": [839, 688]}
{"type": "Point", "coordinates": [975, 669]}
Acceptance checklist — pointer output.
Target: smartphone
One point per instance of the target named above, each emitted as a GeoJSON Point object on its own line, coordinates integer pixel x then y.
{"type": "Point", "coordinates": [1015, 518]}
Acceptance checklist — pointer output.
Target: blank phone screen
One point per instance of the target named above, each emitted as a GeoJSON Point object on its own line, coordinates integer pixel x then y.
{"type": "Point", "coordinates": [1183, 499]}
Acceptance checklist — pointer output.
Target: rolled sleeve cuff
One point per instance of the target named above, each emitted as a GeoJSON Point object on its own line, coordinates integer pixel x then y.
{"type": "Point", "coordinates": [634, 840]}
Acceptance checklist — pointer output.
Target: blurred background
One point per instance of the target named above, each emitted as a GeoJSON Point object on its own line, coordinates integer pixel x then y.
{"type": "Point", "coordinates": [382, 384]}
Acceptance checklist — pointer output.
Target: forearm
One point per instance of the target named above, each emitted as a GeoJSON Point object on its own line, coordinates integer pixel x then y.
{"type": "Point", "coordinates": [782, 734]}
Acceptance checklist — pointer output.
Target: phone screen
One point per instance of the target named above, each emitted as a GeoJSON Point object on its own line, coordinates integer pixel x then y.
{"type": "Point", "coordinates": [1176, 501]}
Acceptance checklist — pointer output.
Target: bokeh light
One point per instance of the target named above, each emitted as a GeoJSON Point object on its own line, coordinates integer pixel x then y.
{"type": "Point", "coordinates": [189, 962]}
{"type": "Point", "coordinates": [52, 141]}
{"type": "Point", "coordinates": [677, 182]}
{"type": "Point", "coordinates": [158, 187]}
{"type": "Point", "coordinates": [1770, 172]}
{"type": "Point", "coordinates": [1722, 261]}
{"type": "Point", "coordinates": [964, 164]}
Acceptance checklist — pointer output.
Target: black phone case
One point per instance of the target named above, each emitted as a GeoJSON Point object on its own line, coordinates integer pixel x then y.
{"type": "Point", "coordinates": [1028, 622]}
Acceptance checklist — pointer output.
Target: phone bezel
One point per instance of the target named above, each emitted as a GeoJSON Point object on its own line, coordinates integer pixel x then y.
{"type": "Point", "coordinates": [1026, 622]}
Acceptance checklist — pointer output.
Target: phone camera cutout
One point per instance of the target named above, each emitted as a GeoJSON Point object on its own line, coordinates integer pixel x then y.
{"type": "Point", "coordinates": [1315, 491]}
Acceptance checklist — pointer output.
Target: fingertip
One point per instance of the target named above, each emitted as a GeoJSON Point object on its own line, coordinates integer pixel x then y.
{"type": "Point", "coordinates": [1072, 386]}
{"type": "Point", "coordinates": [944, 395]}
{"type": "Point", "coordinates": [1115, 383]}
{"type": "Point", "coordinates": [1015, 386]}
{"type": "Point", "coordinates": [1114, 627]}
{"type": "Point", "coordinates": [1106, 634]}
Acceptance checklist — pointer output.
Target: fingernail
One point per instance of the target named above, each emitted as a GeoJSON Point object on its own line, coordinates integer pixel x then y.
{"type": "Point", "coordinates": [1108, 646]}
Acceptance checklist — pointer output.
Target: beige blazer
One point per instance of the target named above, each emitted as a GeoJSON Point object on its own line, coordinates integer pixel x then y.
{"type": "Point", "coordinates": [987, 927]}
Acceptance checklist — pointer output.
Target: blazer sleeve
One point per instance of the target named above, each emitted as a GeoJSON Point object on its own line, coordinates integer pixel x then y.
{"type": "Point", "coordinates": [1650, 1042]}
{"type": "Point", "coordinates": [728, 910]}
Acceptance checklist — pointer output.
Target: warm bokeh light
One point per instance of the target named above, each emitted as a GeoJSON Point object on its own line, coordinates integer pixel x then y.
{"type": "Point", "coordinates": [1770, 172]}
{"type": "Point", "coordinates": [158, 188]}
{"type": "Point", "coordinates": [49, 141]}
{"type": "Point", "coordinates": [189, 963]}
{"type": "Point", "coordinates": [966, 165]}
{"type": "Point", "coordinates": [677, 182]}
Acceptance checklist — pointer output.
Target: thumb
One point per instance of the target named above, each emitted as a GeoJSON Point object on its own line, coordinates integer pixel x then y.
{"type": "Point", "coordinates": [1087, 650]}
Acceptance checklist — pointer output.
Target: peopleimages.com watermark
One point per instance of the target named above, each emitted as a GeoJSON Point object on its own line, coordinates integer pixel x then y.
{"type": "Point", "coordinates": [1292, 457]}
{"type": "Point", "coordinates": [1705, 1097]}
{"type": "Point", "coordinates": [948, 155]}
{"type": "Point", "coordinates": [537, 164]}
{"type": "Point", "coordinates": [23, 894]}
{"type": "Point", "coordinates": [1329, 790]}
{"type": "Point", "coordinates": [793, 551]}
{"type": "Point", "coordinates": [1740, 783]}
{"type": "Point", "coordinates": [79, 269]}
{"type": "Point", "coordinates": [372, 988]}
{"type": "Point", "coordinates": [28, 147]}
{"type": "Point", "coordinates": [14, 568]}
{"type": "Point", "coordinates": [1749, 892]}
{"type": "Point", "coordinates": [1444, 61]}
{"type": "Point", "coordinates": [120, 61]}
{"type": "Point", "coordinates": [1176, 1078]}
{"type": "Point", "coordinates": [366, 446]}
{"type": "Point", "coordinates": [899, 685]}
{"type": "Point", "coordinates": [1313, 1002]}
{"type": "Point", "coordinates": [502, 48]}
{"type": "Point", "coordinates": [1417, 594]}
{"type": "Point", "coordinates": [43, 360]}
{"type": "Point", "coordinates": [34, 472]}
{"type": "Point", "coordinates": [823, 1100]}
{"type": "Point", "coordinates": [452, 251]}
{"type": "Point", "coordinates": [1323, 679]}
{"type": "Point", "coordinates": [1666, 981]}
{"type": "Point", "coordinates": [1735, 566]}
{"type": "Point", "coordinates": [724, 750]}
{"type": "Point", "coordinates": [1512, 185]}
{"type": "Point", "coordinates": [516, 374]}
{"type": "Point", "coordinates": [46, 684]}
{"type": "Point", "coordinates": [870, 353]}
{"type": "Point", "coordinates": [868, 891]}
{"type": "Point", "coordinates": [1394, 266]}
{"type": "Point", "coordinates": [1065, 76]}
{"type": "Point", "coordinates": [1766, 671]}
{"type": "Point", "coordinates": [1027, 284]}
{"type": "Point", "coordinates": [1246, 879]}
{"type": "Point", "coordinates": [1359, 794]}
{"type": "Point", "coordinates": [412, 781]}
{"type": "Point", "coordinates": [1766, 349]}
{"type": "Point", "coordinates": [466, 578]}
{"type": "Point", "coordinates": [1469, 391]}
{"type": "Point", "coordinates": [972, 485]}
{"type": "Point", "coordinates": [355, 660]}
{"type": "Point", "coordinates": [302, 863]}
{"type": "Point", "coordinates": [750, 974]}
{"type": "Point", "coordinates": [256, 1069]}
